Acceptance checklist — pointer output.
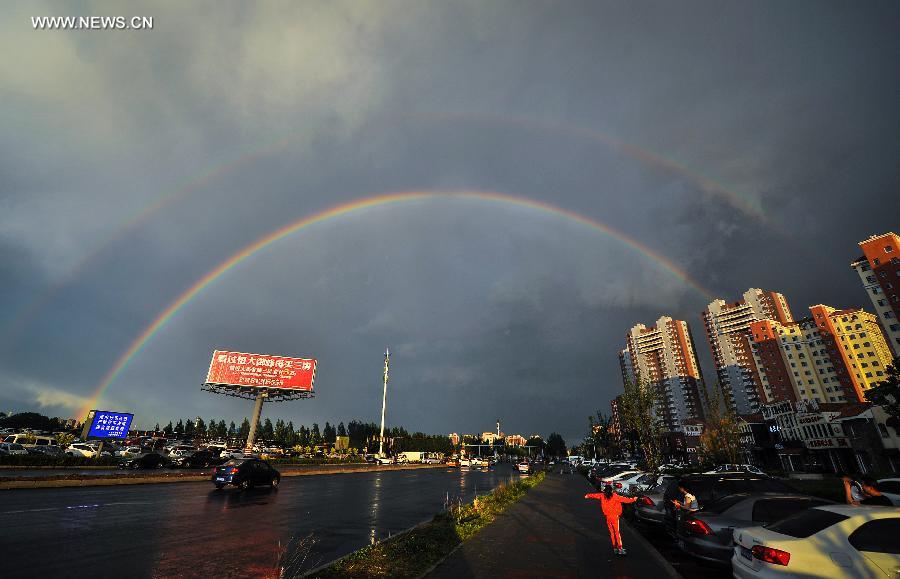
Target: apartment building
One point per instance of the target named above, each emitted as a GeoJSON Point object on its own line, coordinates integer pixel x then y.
{"type": "Point", "coordinates": [664, 357]}
{"type": "Point", "coordinates": [727, 328]}
{"type": "Point", "coordinates": [833, 356]}
{"type": "Point", "coordinates": [879, 272]}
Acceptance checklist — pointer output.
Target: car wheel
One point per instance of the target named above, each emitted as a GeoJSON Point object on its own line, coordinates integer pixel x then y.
{"type": "Point", "coordinates": [244, 485]}
{"type": "Point", "coordinates": [219, 487]}
{"type": "Point", "coordinates": [275, 482]}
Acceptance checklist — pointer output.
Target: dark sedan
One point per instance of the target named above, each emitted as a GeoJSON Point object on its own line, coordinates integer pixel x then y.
{"type": "Point", "coordinates": [707, 534]}
{"type": "Point", "coordinates": [149, 460]}
{"type": "Point", "coordinates": [712, 487]}
{"type": "Point", "coordinates": [199, 459]}
{"type": "Point", "coordinates": [245, 473]}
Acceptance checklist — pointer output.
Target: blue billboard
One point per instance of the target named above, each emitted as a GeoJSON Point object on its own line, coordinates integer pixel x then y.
{"type": "Point", "coordinates": [106, 424]}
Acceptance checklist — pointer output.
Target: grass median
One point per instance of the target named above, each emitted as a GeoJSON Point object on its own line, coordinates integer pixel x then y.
{"type": "Point", "coordinates": [414, 552]}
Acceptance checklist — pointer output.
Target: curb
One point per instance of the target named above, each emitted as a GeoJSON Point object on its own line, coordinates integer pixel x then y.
{"type": "Point", "coordinates": [117, 481]}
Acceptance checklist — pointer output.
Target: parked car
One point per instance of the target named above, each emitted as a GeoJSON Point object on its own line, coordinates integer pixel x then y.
{"type": "Point", "coordinates": [707, 534]}
{"type": "Point", "coordinates": [245, 473]}
{"type": "Point", "coordinates": [711, 487]}
{"type": "Point", "coordinates": [11, 448]}
{"type": "Point", "coordinates": [198, 459]}
{"type": "Point", "coordinates": [144, 461]}
{"type": "Point", "coordinates": [129, 451]}
{"type": "Point", "coordinates": [598, 472]}
{"type": "Point", "coordinates": [525, 467]}
{"type": "Point", "coordinates": [84, 449]}
{"type": "Point", "coordinates": [616, 479]}
{"type": "Point", "coordinates": [826, 541]}
{"type": "Point", "coordinates": [650, 505]}
{"type": "Point", "coordinates": [51, 450]}
{"type": "Point", "coordinates": [736, 468]}
{"type": "Point", "coordinates": [890, 487]}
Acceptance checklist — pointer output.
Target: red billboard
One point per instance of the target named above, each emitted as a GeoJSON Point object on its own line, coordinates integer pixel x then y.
{"type": "Point", "coordinates": [261, 371]}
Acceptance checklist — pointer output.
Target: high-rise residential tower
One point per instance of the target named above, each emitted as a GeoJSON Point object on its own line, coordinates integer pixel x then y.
{"type": "Point", "coordinates": [664, 358]}
{"type": "Point", "coordinates": [879, 271]}
{"type": "Point", "coordinates": [728, 332]}
{"type": "Point", "coordinates": [831, 356]}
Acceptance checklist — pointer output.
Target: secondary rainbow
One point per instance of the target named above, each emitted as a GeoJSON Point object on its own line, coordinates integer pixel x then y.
{"type": "Point", "coordinates": [169, 197]}
{"type": "Point", "coordinates": [360, 204]}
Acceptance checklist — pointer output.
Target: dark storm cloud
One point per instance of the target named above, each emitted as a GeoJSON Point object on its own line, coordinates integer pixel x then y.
{"type": "Point", "coordinates": [492, 311]}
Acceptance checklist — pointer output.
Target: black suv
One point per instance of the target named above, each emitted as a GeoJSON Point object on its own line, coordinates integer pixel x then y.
{"type": "Point", "coordinates": [245, 473]}
{"type": "Point", "coordinates": [711, 487]}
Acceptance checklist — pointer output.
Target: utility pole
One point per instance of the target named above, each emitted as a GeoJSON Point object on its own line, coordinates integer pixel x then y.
{"type": "Point", "coordinates": [254, 422]}
{"type": "Point", "coordinates": [387, 361]}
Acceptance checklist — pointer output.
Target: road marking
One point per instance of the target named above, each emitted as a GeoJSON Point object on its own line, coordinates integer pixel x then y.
{"type": "Point", "coordinates": [71, 507]}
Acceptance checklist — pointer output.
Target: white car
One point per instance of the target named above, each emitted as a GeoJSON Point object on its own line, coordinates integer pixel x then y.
{"type": "Point", "coordinates": [890, 487]}
{"type": "Point", "coordinates": [129, 452]}
{"type": "Point", "coordinates": [824, 541]}
{"type": "Point", "coordinates": [82, 449]}
{"type": "Point", "coordinates": [616, 480]}
{"type": "Point", "coordinates": [637, 483]}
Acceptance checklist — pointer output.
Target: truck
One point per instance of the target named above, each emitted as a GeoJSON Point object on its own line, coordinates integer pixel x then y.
{"type": "Point", "coordinates": [412, 456]}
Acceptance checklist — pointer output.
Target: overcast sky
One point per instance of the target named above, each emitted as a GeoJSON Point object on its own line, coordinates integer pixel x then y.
{"type": "Point", "coordinates": [752, 144]}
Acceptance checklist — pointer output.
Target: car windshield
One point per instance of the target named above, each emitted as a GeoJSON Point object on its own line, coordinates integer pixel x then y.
{"type": "Point", "coordinates": [719, 506]}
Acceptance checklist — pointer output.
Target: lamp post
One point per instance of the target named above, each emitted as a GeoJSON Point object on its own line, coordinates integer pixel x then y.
{"type": "Point", "coordinates": [387, 361]}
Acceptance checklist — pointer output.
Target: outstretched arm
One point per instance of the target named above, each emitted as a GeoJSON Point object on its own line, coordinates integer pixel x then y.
{"type": "Point", "coordinates": [593, 496]}
{"type": "Point", "coordinates": [627, 499]}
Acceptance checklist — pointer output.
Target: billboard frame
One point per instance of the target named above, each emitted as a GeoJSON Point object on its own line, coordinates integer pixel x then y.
{"type": "Point", "coordinates": [252, 392]}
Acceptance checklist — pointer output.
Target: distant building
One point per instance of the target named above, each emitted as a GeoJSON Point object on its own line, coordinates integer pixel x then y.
{"type": "Point", "coordinates": [879, 271]}
{"type": "Point", "coordinates": [625, 364]}
{"type": "Point", "coordinates": [728, 332]}
{"type": "Point", "coordinates": [664, 357]}
{"type": "Point", "coordinates": [515, 440]}
{"type": "Point", "coordinates": [834, 356]}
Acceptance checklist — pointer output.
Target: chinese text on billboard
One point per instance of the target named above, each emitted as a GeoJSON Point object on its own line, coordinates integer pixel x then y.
{"type": "Point", "coordinates": [110, 424]}
{"type": "Point", "coordinates": [261, 371]}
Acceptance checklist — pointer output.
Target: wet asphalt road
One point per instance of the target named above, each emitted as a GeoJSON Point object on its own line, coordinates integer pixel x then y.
{"type": "Point", "coordinates": [192, 530]}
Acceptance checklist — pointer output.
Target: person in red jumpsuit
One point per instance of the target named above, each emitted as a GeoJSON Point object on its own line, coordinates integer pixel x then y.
{"type": "Point", "coordinates": [611, 503]}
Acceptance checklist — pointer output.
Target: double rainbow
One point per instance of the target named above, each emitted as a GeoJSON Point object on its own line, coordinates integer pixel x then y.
{"type": "Point", "coordinates": [355, 206]}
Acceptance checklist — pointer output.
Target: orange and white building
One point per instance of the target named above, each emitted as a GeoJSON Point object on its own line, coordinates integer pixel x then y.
{"type": "Point", "coordinates": [879, 271]}
{"type": "Point", "coordinates": [728, 332]}
{"type": "Point", "coordinates": [833, 356]}
{"type": "Point", "coordinates": [664, 358]}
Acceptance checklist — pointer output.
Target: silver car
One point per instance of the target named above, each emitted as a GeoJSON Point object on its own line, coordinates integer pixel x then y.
{"type": "Point", "coordinates": [707, 533]}
{"type": "Point", "coordinates": [650, 506]}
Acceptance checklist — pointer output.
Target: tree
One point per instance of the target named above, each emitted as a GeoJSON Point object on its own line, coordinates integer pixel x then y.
{"type": "Point", "coordinates": [232, 430]}
{"type": "Point", "coordinates": [290, 435]}
{"type": "Point", "coordinates": [199, 428]}
{"type": "Point", "coordinates": [222, 430]}
{"type": "Point", "coordinates": [720, 441]}
{"type": "Point", "coordinates": [600, 439]}
{"type": "Point", "coordinates": [638, 416]}
{"type": "Point", "coordinates": [189, 428]}
{"type": "Point", "coordinates": [556, 446]}
{"type": "Point", "coordinates": [341, 431]}
{"type": "Point", "coordinates": [169, 429]}
{"type": "Point", "coordinates": [887, 392]}
{"type": "Point", "coordinates": [156, 428]}
{"type": "Point", "coordinates": [328, 434]}
{"type": "Point", "coordinates": [179, 428]}
{"type": "Point", "coordinates": [268, 431]}
{"type": "Point", "coordinates": [315, 437]}
{"type": "Point", "coordinates": [244, 432]}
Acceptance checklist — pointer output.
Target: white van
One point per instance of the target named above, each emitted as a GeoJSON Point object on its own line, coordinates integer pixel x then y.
{"type": "Point", "coordinates": [30, 440]}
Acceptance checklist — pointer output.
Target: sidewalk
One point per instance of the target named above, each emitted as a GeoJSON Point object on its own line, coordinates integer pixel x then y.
{"type": "Point", "coordinates": [553, 532]}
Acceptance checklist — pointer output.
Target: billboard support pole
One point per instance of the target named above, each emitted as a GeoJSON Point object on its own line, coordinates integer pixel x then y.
{"type": "Point", "coordinates": [387, 361]}
{"type": "Point", "coordinates": [254, 422]}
